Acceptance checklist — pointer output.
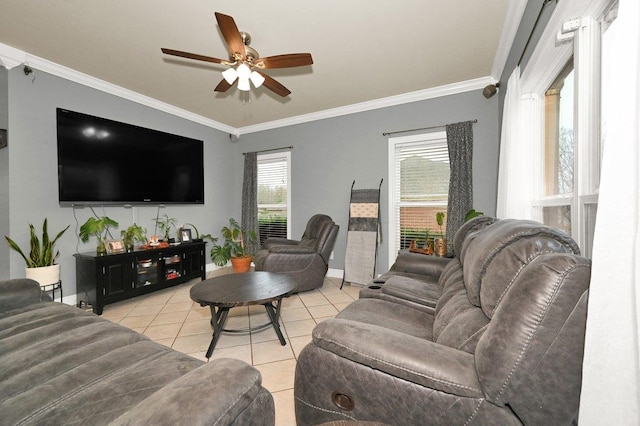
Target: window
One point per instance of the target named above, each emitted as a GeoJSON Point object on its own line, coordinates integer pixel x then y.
{"type": "Point", "coordinates": [559, 148]}
{"type": "Point", "coordinates": [419, 188]}
{"type": "Point", "coordinates": [274, 195]}
{"type": "Point", "coordinates": [574, 119]}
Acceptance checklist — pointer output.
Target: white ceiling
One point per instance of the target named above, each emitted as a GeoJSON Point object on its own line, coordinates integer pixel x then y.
{"type": "Point", "coordinates": [363, 50]}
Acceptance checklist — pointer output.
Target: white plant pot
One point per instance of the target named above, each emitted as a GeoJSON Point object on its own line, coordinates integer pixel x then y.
{"type": "Point", "coordinates": [44, 275]}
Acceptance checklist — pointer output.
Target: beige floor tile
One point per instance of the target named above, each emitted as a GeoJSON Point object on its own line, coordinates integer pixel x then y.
{"type": "Point", "coordinates": [227, 340]}
{"type": "Point", "coordinates": [167, 342]}
{"type": "Point", "coordinates": [145, 310]}
{"type": "Point", "coordinates": [157, 298]}
{"type": "Point", "coordinates": [298, 343]}
{"type": "Point", "coordinates": [272, 351]}
{"type": "Point", "coordinates": [165, 331]}
{"type": "Point", "coordinates": [198, 315]}
{"type": "Point", "coordinates": [299, 328]}
{"type": "Point", "coordinates": [267, 335]}
{"type": "Point", "coordinates": [339, 297]}
{"type": "Point", "coordinates": [292, 302]}
{"type": "Point", "coordinates": [243, 353]}
{"type": "Point", "coordinates": [322, 311]}
{"type": "Point", "coordinates": [285, 408]}
{"type": "Point", "coordinates": [341, 306]}
{"type": "Point", "coordinates": [169, 318]}
{"type": "Point", "coordinates": [192, 344]}
{"type": "Point", "coordinates": [180, 297]}
{"type": "Point", "coordinates": [295, 314]}
{"type": "Point", "coordinates": [278, 376]}
{"type": "Point", "coordinates": [137, 321]}
{"type": "Point", "coordinates": [237, 322]}
{"type": "Point", "coordinates": [138, 329]}
{"type": "Point", "coordinates": [313, 299]}
{"type": "Point", "coordinates": [199, 355]}
{"type": "Point", "coordinates": [352, 291]}
{"type": "Point", "coordinates": [189, 328]}
{"type": "Point", "coordinates": [176, 307]}
{"type": "Point", "coordinates": [115, 314]}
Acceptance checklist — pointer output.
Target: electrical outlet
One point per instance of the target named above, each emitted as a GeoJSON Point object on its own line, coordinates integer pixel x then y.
{"type": "Point", "coordinates": [570, 26]}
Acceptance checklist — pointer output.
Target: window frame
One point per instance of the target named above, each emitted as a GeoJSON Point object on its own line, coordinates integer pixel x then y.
{"type": "Point", "coordinates": [287, 156]}
{"type": "Point", "coordinates": [547, 62]}
{"type": "Point", "coordinates": [431, 138]}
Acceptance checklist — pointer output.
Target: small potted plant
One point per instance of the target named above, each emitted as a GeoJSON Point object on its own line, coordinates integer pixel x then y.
{"type": "Point", "coordinates": [100, 228]}
{"type": "Point", "coordinates": [440, 242]}
{"type": "Point", "coordinates": [166, 223]}
{"type": "Point", "coordinates": [41, 264]}
{"type": "Point", "coordinates": [233, 247]}
{"type": "Point", "coordinates": [132, 234]}
{"type": "Point", "coordinates": [472, 214]}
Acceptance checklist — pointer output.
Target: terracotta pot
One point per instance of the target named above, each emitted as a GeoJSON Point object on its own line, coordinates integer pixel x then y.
{"type": "Point", "coordinates": [241, 264]}
{"type": "Point", "coordinates": [45, 275]}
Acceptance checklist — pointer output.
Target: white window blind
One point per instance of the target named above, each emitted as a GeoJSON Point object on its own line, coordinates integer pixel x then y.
{"type": "Point", "coordinates": [419, 187]}
{"type": "Point", "coordinates": [273, 195]}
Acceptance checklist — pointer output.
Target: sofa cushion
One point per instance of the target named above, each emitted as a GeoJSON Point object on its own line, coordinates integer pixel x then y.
{"type": "Point", "coordinates": [413, 287]}
{"type": "Point", "coordinates": [391, 316]}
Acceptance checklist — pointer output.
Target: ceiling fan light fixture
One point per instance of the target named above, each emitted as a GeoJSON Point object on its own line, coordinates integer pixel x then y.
{"type": "Point", "coordinates": [257, 79]}
{"type": "Point", "coordinates": [230, 75]}
{"type": "Point", "coordinates": [243, 84]}
{"type": "Point", "coordinates": [244, 72]}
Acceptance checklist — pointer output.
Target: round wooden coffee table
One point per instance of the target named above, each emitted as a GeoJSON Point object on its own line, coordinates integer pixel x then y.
{"type": "Point", "coordinates": [250, 288]}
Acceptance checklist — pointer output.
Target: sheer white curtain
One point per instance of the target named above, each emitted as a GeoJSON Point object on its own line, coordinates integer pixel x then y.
{"type": "Point", "coordinates": [611, 368]}
{"type": "Point", "coordinates": [515, 175]}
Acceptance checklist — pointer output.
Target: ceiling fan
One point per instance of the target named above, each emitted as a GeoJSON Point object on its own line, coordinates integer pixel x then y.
{"type": "Point", "coordinates": [245, 63]}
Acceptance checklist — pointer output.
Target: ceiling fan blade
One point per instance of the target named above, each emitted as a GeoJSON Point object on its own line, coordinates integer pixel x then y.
{"type": "Point", "coordinates": [223, 86]}
{"type": "Point", "coordinates": [231, 35]}
{"type": "Point", "coordinates": [284, 61]}
{"type": "Point", "coordinates": [274, 86]}
{"type": "Point", "coordinates": [191, 56]}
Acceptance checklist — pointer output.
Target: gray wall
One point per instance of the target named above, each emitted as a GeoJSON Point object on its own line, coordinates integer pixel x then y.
{"type": "Point", "coordinates": [4, 176]}
{"type": "Point", "coordinates": [32, 171]}
{"type": "Point", "coordinates": [328, 155]}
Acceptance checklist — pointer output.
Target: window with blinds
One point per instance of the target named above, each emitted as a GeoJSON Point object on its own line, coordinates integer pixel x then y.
{"type": "Point", "coordinates": [419, 188]}
{"type": "Point", "coordinates": [273, 195]}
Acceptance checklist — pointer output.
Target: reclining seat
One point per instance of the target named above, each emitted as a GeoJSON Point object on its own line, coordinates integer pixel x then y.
{"type": "Point", "coordinates": [307, 260]}
{"type": "Point", "coordinates": [417, 280]}
{"type": "Point", "coordinates": [504, 346]}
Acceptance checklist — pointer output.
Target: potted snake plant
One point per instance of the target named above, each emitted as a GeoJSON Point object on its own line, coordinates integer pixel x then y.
{"type": "Point", "coordinates": [40, 265]}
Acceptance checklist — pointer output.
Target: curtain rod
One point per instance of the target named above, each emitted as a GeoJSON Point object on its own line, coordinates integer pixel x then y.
{"type": "Point", "coordinates": [535, 24]}
{"type": "Point", "coordinates": [272, 149]}
{"type": "Point", "coordinates": [421, 128]}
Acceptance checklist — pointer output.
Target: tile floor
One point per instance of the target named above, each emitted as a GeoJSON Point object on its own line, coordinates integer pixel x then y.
{"type": "Point", "coordinates": [170, 317]}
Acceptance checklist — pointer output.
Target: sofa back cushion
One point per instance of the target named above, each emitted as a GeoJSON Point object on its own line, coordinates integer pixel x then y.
{"type": "Point", "coordinates": [493, 257]}
{"type": "Point", "coordinates": [457, 322]}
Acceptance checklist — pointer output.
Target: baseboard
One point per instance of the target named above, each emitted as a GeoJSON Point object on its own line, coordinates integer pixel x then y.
{"type": "Point", "coordinates": [335, 273]}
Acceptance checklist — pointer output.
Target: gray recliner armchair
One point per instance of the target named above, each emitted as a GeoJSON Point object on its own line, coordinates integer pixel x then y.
{"type": "Point", "coordinates": [307, 259]}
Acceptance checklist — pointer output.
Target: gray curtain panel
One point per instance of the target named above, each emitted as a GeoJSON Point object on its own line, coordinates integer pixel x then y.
{"type": "Point", "coordinates": [460, 143]}
{"type": "Point", "coordinates": [250, 198]}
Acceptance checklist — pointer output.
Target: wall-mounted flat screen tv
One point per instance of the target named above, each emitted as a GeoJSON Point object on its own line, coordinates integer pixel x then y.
{"type": "Point", "coordinates": [102, 161]}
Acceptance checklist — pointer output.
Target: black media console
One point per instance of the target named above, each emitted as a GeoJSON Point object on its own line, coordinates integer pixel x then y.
{"type": "Point", "coordinates": [101, 280]}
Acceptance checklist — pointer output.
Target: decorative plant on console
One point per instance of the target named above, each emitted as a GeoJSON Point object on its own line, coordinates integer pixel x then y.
{"type": "Point", "coordinates": [233, 247]}
{"type": "Point", "coordinates": [40, 265]}
{"type": "Point", "coordinates": [132, 234]}
{"type": "Point", "coordinates": [166, 223]}
{"type": "Point", "coordinates": [440, 243]}
{"type": "Point", "coordinates": [98, 226]}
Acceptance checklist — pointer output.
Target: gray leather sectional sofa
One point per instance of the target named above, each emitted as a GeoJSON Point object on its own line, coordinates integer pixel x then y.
{"type": "Point", "coordinates": [60, 365]}
{"type": "Point", "coordinates": [494, 336]}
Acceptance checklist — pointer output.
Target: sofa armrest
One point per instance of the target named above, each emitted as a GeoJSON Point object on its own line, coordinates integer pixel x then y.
{"type": "Point", "coordinates": [226, 391]}
{"type": "Point", "coordinates": [419, 361]}
{"type": "Point", "coordinates": [421, 264]}
{"type": "Point", "coordinates": [20, 292]}
{"type": "Point", "coordinates": [276, 241]}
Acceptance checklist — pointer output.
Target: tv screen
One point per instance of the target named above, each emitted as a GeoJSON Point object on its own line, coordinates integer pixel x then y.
{"type": "Point", "coordinates": [102, 161]}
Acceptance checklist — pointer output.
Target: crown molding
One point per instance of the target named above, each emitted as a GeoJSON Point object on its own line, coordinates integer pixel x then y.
{"type": "Point", "coordinates": [14, 57]}
{"type": "Point", "coordinates": [420, 95]}
{"type": "Point", "coordinates": [11, 57]}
